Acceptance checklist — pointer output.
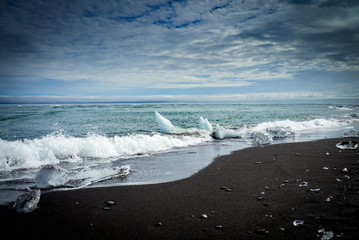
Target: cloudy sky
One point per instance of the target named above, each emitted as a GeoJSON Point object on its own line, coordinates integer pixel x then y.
{"type": "Point", "coordinates": [184, 50]}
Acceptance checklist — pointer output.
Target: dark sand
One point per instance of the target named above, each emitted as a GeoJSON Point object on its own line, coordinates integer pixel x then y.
{"type": "Point", "coordinates": [138, 210]}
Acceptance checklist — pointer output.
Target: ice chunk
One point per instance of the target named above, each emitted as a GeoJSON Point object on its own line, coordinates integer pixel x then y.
{"type": "Point", "coordinates": [347, 145]}
{"type": "Point", "coordinates": [165, 125]}
{"type": "Point", "coordinates": [303, 184]}
{"type": "Point", "coordinates": [261, 138]}
{"type": "Point", "coordinates": [326, 235]}
{"type": "Point", "coordinates": [27, 202]}
{"type": "Point", "coordinates": [297, 223]}
{"type": "Point", "coordinates": [51, 176]}
{"type": "Point", "coordinates": [204, 124]}
{"type": "Point", "coordinates": [222, 133]}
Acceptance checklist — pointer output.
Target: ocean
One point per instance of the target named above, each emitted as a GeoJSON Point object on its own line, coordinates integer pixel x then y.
{"type": "Point", "coordinates": [61, 147]}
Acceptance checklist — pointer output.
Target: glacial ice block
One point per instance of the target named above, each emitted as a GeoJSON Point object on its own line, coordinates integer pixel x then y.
{"type": "Point", "coordinates": [165, 125]}
{"type": "Point", "coordinates": [27, 202]}
{"type": "Point", "coordinates": [204, 124]}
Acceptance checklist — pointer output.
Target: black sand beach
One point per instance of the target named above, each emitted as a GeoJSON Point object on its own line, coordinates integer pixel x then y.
{"type": "Point", "coordinates": [241, 194]}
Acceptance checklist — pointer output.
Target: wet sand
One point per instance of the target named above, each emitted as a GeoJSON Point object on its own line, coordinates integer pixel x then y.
{"type": "Point", "coordinates": [241, 194]}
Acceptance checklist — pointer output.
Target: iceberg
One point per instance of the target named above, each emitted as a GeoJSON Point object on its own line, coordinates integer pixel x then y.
{"type": "Point", "coordinates": [165, 125]}
{"type": "Point", "coordinates": [204, 124]}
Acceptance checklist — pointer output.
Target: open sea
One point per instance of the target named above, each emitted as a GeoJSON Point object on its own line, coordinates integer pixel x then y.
{"type": "Point", "coordinates": [89, 145]}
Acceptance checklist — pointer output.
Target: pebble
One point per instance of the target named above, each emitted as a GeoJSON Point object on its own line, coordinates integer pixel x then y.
{"type": "Point", "coordinates": [281, 185]}
{"type": "Point", "coordinates": [266, 188]}
{"type": "Point", "coordinates": [106, 208]}
{"type": "Point", "coordinates": [110, 202]}
{"type": "Point", "coordinates": [159, 224]}
{"type": "Point", "coordinates": [257, 162]}
{"type": "Point", "coordinates": [203, 216]}
{"type": "Point", "coordinates": [286, 181]}
{"type": "Point", "coordinates": [259, 198]}
{"type": "Point", "coordinates": [282, 229]}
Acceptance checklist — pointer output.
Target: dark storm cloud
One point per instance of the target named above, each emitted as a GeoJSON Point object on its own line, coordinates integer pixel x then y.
{"type": "Point", "coordinates": [160, 44]}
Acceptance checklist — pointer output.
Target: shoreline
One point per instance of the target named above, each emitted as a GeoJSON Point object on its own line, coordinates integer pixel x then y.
{"type": "Point", "coordinates": [229, 192]}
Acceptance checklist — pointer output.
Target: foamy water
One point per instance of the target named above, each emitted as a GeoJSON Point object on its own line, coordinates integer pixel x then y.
{"type": "Point", "coordinates": [73, 146]}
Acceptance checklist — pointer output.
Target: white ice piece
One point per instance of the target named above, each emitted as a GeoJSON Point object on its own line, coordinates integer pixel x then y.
{"type": "Point", "coordinates": [27, 202]}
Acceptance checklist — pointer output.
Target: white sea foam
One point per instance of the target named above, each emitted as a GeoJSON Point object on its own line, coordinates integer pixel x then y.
{"type": "Point", "coordinates": [264, 133]}
{"type": "Point", "coordinates": [57, 148]}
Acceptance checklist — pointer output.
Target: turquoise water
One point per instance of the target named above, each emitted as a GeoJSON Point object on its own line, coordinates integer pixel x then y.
{"type": "Point", "coordinates": [72, 146]}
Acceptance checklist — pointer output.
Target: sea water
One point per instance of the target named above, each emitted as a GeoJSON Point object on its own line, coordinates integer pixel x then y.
{"type": "Point", "coordinates": [88, 145]}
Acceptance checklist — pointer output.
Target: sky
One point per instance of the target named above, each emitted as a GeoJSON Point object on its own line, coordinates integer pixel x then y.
{"type": "Point", "coordinates": [242, 51]}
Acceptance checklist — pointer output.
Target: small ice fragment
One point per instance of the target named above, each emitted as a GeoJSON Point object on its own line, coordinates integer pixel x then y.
{"type": "Point", "coordinates": [325, 168]}
{"type": "Point", "coordinates": [327, 235]}
{"type": "Point", "coordinates": [315, 189]}
{"type": "Point", "coordinates": [303, 184]}
{"type": "Point", "coordinates": [347, 145]}
{"type": "Point", "coordinates": [297, 223]}
{"type": "Point", "coordinates": [327, 199]}
{"type": "Point", "coordinates": [27, 202]}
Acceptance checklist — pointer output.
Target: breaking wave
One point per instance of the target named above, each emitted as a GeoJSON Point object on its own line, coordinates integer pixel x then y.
{"type": "Point", "coordinates": [58, 148]}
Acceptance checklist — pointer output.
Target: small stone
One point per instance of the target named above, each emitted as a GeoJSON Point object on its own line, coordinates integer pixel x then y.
{"type": "Point", "coordinates": [203, 216]}
{"type": "Point", "coordinates": [266, 188]}
{"type": "Point", "coordinates": [345, 170]}
{"type": "Point", "coordinates": [282, 229]}
{"type": "Point", "coordinates": [159, 224]}
{"type": "Point", "coordinates": [327, 153]}
{"type": "Point", "coordinates": [257, 162]}
{"type": "Point", "coordinates": [259, 198]}
{"type": "Point", "coordinates": [281, 185]}
{"type": "Point", "coordinates": [286, 181]}
{"type": "Point", "coordinates": [106, 208]}
{"type": "Point", "coordinates": [212, 212]}
{"type": "Point", "coordinates": [110, 202]}
{"type": "Point", "coordinates": [228, 190]}
{"type": "Point", "coordinates": [325, 168]}
{"type": "Point", "coordinates": [298, 154]}
{"type": "Point", "coordinates": [77, 203]}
